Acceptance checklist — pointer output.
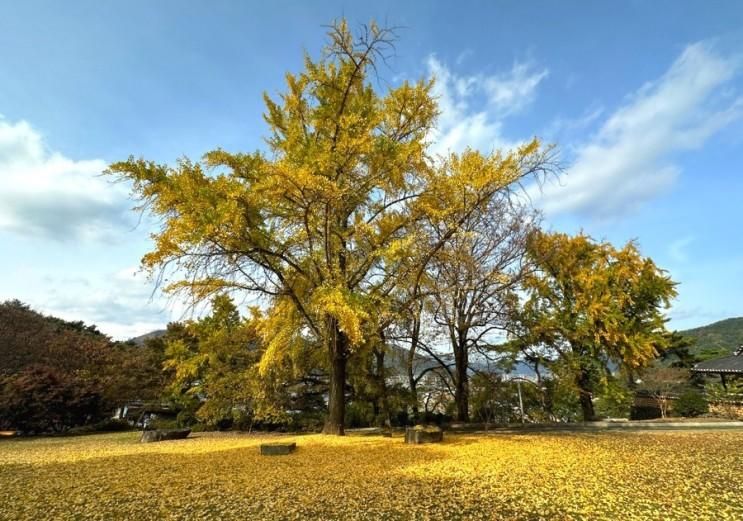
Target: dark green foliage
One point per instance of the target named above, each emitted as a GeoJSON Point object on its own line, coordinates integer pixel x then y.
{"type": "Point", "coordinates": [107, 425]}
{"type": "Point", "coordinates": [213, 367]}
{"type": "Point", "coordinates": [186, 418]}
{"type": "Point", "coordinates": [359, 414]}
{"type": "Point", "coordinates": [496, 401]}
{"type": "Point", "coordinates": [560, 401]}
{"type": "Point", "coordinates": [678, 353]}
{"type": "Point", "coordinates": [644, 412]}
{"type": "Point", "coordinates": [716, 340]}
{"type": "Point", "coordinates": [163, 423]}
{"type": "Point", "coordinates": [304, 421]}
{"type": "Point", "coordinates": [690, 404]}
{"type": "Point", "coordinates": [615, 401]}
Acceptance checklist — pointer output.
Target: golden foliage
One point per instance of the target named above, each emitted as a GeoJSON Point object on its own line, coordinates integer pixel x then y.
{"type": "Point", "coordinates": [648, 476]}
{"type": "Point", "coordinates": [333, 216]}
{"type": "Point", "coordinates": [596, 299]}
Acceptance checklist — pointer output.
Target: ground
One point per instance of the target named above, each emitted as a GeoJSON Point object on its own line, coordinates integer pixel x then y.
{"type": "Point", "coordinates": [591, 476]}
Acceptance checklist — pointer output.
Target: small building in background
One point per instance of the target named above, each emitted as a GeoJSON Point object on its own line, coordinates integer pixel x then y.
{"type": "Point", "coordinates": [726, 367]}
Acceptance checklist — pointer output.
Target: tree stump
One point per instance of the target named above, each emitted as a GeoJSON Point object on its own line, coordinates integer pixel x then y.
{"type": "Point", "coordinates": [164, 435]}
{"type": "Point", "coordinates": [277, 449]}
{"type": "Point", "coordinates": [423, 434]}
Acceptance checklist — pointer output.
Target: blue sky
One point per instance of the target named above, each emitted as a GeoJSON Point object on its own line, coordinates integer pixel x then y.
{"type": "Point", "coordinates": [643, 99]}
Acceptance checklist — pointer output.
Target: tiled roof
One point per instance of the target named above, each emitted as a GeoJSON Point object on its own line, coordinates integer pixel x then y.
{"type": "Point", "coordinates": [728, 364]}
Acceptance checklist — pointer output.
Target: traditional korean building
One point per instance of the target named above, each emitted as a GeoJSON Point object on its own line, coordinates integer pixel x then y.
{"type": "Point", "coordinates": [726, 367]}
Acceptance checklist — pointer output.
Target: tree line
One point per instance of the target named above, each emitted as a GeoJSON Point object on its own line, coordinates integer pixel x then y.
{"type": "Point", "coordinates": [57, 374]}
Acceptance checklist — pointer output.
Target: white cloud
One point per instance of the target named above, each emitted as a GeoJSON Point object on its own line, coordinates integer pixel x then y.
{"type": "Point", "coordinates": [628, 160]}
{"type": "Point", "coordinates": [511, 92]}
{"type": "Point", "coordinates": [464, 55]}
{"type": "Point", "coordinates": [473, 107]}
{"type": "Point", "coordinates": [122, 304]}
{"type": "Point", "coordinates": [678, 250]}
{"type": "Point", "coordinates": [49, 195]}
{"type": "Point", "coordinates": [561, 127]}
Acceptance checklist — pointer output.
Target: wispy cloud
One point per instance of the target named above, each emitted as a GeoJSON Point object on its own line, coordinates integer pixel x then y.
{"type": "Point", "coordinates": [629, 160]}
{"type": "Point", "coordinates": [122, 304]}
{"type": "Point", "coordinates": [473, 107]}
{"type": "Point", "coordinates": [561, 127]}
{"type": "Point", "coordinates": [49, 195]}
{"type": "Point", "coordinates": [678, 249]}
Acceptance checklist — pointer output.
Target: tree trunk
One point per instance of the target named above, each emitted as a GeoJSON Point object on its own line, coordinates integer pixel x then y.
{"type": "Point", "coordinates": [382, 402]}
{"type": "Point", "coordinates": [338, 351]}
{"type": "Point", "coordinates": [412, 382]}
{"type": "Point", "coordinates": [585, 394]}
{"type": "Point", "coordinates": [586, 404]}
{"type": "Point", "coordinates": [461, 391]}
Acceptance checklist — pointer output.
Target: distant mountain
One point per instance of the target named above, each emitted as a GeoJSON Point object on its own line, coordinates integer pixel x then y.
{"type": "Point", "coordinates": [711, 341]}
{"type": "Point", "coordinates": [716, 340]}
{"type": "Point", "coordinates": [141, 339]}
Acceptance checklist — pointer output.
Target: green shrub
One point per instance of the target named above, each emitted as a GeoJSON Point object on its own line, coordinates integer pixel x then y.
{"type": "Point", "coordinates": [164, 423]}
{"type": "Point", "coordinates": [306, 421]}
{"type": "Point", "coordinates": [359, 414]}
{"type": "Point", "coordinates": [644, 412]}
{"type": "Point", "coordinates": [615, 401]}
{"type": "Point", "coordinates": [186, 418]}
{"type": "Point", "coordinates": [690, 404]}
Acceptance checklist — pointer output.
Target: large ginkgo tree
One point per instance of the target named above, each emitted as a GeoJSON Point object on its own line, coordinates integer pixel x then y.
{"type": "Point", "coordinates": [343, 207]}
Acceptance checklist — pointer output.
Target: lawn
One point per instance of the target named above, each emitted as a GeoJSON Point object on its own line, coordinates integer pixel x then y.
{"type": "Point", "coordinates": [687, 475]}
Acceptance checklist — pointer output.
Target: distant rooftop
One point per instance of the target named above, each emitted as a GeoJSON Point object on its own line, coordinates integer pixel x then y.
{"type": "Point", "coordinates": [728, 364]}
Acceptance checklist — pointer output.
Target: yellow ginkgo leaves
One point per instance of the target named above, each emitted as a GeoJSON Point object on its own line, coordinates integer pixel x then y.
{"type": "Point", "coordinates": [649, 476]}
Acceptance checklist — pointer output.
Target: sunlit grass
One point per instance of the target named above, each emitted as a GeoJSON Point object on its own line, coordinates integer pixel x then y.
{"type": "Point", "coordinates": [561, 476]}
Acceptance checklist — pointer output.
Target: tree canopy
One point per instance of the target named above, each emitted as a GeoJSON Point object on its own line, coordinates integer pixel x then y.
{"type": "Point", "coordinates": [345, 206]}
{"type": "Point", "coordinates": [56, 374]}
{"type": "Point", "coordinates": [591, 308]}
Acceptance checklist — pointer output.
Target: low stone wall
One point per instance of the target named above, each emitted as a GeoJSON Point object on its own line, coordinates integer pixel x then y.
{"type": "Point", "coordinates": [733, 411]}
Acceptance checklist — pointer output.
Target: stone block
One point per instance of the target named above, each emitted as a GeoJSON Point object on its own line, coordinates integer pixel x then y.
{"type": "Point", "coordinates": [423, 434]}
{"type": "Point", "coordinates": [277, 449]}
{"type": "Point", "coordinates": [164, 435]}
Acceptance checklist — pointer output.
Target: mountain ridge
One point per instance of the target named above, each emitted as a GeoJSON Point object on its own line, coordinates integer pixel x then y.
{"type": "Point", "coordinates": [717, 339]}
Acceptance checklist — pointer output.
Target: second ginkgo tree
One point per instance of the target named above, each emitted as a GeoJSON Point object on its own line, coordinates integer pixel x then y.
{"type": "Point", "coordinates": [591, 310]}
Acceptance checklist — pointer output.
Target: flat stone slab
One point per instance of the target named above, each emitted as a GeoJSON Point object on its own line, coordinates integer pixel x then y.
{"type": "Point", "coordinates": [164, 435]}
{"type": "Point", "coordinates": [418, 435]}
{"type": "Point", "coordinates": [277, 449]}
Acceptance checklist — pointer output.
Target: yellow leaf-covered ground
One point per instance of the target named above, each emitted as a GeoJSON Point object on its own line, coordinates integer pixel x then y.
{"type": "Point", "coordinates": [536, 476]}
